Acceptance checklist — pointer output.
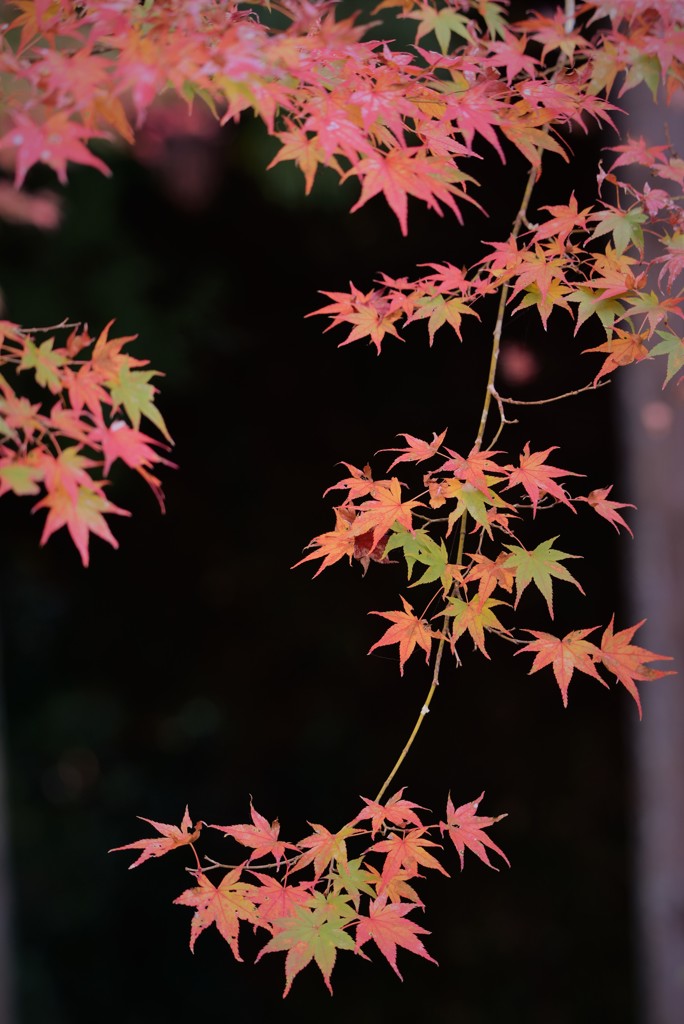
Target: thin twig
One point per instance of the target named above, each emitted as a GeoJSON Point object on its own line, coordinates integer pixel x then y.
{"type": "Point", "coordinates": [556, 398]}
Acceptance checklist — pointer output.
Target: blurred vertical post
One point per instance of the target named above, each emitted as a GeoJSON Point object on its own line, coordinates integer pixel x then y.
{"type": "Point", "coordinates": [652, 431]}
{"type": "Point", "coordinates": [6, 948]}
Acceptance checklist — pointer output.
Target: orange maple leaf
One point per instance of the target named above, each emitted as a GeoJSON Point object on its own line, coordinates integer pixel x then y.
{"type": "Point", "coordinates": [172, 836]}
{"type": "Point", "coordinates": [82, 514]}
{"type": "Point", "coordinates": [566, 655]}
{"type": "Point", "coordinates": [417, 450]}
{"type": "Point", "coordinates": [406, 851]}
{"type": "Point", "coordinates": [385, 509]}
{"type": "Point", "coordinates": [407, 631]}
{"type": "Point", "coordinates": [623, 348]}
{"type": "Point", "coordinates": [627, 661]}
{"type": "Point", "coordinates": [325, 847]}
{"type": "Point", "coordinates": [538, 478]}
{"type": "Point", "coordinates": [598, 499]}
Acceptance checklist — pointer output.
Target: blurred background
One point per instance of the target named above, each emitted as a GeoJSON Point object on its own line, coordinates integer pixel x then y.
{"type": "Point", "coordinates": [193, 666]}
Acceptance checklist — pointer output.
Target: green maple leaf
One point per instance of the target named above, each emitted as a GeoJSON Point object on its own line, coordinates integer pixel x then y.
{"type": "Point", "coordinates": [45, 362]}
{"type": "Point", "coordinates": [672, 347]}
{"type": "Point", "coordinates": [474, 616]}
{"type": "Point", "coordinates": [589, 301]}
{"type": "Point", "coordinates": [132, 390]}
{"type": "Point", "coordinates": [420, 547]}
{"type": "Point", "coordinates": [624, 225]}
{"type": "Point", "coordinates": [310, 934]}
{"type": "Point", "coordinates": [354, 879]}
{"type": "Point", "coordinates": [539, 567]}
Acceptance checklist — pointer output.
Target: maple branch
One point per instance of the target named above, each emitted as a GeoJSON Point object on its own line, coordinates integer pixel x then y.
{"type": "Point", "coordinates": [545, 401]}
{"type": "Point", "coordinates": [64, 325]}
{"type": "Point", "coordinates": [519, 222]}
{"type": "Point", "coordinates": [433, 685]}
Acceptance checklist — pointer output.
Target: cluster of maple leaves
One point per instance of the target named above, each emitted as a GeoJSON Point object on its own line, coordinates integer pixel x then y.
{"type": "Point", "coordinates": [97, 397]}
{"type": "Point", "coordinates": [374, 520]}
{"type": "Point", "coordinates": [311, 919]}
{"type": "Point", "coordinates": [403, 122]}
{"type": "Point", "coordinates": [410, 122]}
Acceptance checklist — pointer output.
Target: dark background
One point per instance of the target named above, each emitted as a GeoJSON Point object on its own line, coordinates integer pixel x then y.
{"type": "Point", "coordinates": [192, 666]}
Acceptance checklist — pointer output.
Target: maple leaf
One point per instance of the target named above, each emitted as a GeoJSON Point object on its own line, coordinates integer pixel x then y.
{"type": "Point", "coordinates": [224, 905]}
{"type": "Point", "coordinates": [306, 152]}
{"type": "Point", "coordinates": [384, 509]}
{"type": "Point", "coordinates": [310, 934]}
{"type": "Point", "coordinates": [473, 469]}
{"type": "Point", "coordinates": [82, 515]}
{"type": "Point", "coordinates": [537, 478]}
{"type": "Point", "coordinates": [466, 830]}
{"type": "Point", "coordinates": [417, 450]}
{"type": "Point", "coordinates": [407, 851]}
{"type": "Point", "coordinates": [45, 362]}
{"type": "Point", "coordinates": [407, 631]}
{"type": "Point", "coordinates": [673, 348]}
{"type": "Point", "coordinates": [398, 811]}
{"type": "Point", "coordinates": [372, 315]}
{"type": "Point", "coordinates": [623, 348]}
{"type": "Point", "coordinates": [172, 837]}
{"type": "Point", "coordinates": [566, 655]}
{"type": "Point", "coordinates": [538, 567]}
{"type": "Point", "coordinates": [474, 616]}
{"type": "Point", "coordinates": [420, 547]}
{"type": "Point", "coordinates": [132, 390]}
{"type": "Point", "coordinates": [333, 545]}
{"type": "Point", "coordinates": [21, 475]}
{"type": "Point", "coordinates": [624, 225]}
{"type": "Point", "coordinates": [276, 900]}
{"type": "Point", "coordinates": [56, 141]}
{"type": "Point", "coordinates": [627, 661]}
{"type": "Point", "coordinates": [387, 926]}
{"type": "Point", "coordinates": [564, 220]}
{"type": "Point", "coordinates": [358, 485]}
{"type": "Point", "coordinates": [355, 879]}
{"type": "Point", "coordinates": [409, 171]}
{"type": "Point", "coordinates": [438, 310]}
{"type": "Point", "coordinates": [598, 499]}
{"type": "Point", "coordinates": [262, 837]}
{"type": "Point", "coordinates": [491, 574]}
{"type": "Point", "coordinates": [324, 847]}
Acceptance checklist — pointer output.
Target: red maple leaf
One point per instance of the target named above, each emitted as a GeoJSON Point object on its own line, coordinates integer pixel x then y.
{"type": "Point", "coordinates": [538, 478]}
{"type": "Point", "coordinates": [398, 811]}
{"type": "Point", "coordinates": [406, 851]}
{"type": "Point", "coordinates": [417, 450]}
{"type": "Point", "coordinates": [172, 836]}
{"type": "Point", "coordinates": [598, 499]}
{"type": "Point", "coordinates": [407, 631]}
{"type": "Point", "coordinates": [262, 837]}
{"type": "Point", "coordinates": [466, 830]}
{"type": "Point", "coordinates": [277, 900]}
{"type": "Point", "coordinates": [387, 926]}
{"type": "Point", "coordinates": [473, 468]}
{"type": "Point", "coordinates": [627, 661]}
{"type": "Point", "coordinates": [82, 515]}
